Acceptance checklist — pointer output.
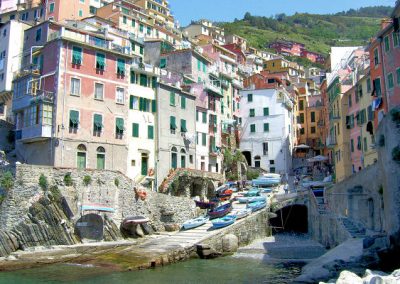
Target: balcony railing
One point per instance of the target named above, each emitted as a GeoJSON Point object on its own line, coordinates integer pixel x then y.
{"type": "Point", "coordinates": [331, 141]}
{"type": "Point", "coordinates": [211, 87]}
{"type": "Point", "coordinates": [237, 84]}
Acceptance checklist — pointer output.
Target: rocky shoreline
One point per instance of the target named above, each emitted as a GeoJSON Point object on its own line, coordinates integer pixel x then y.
{"type": "Point", "coordinates": [370, 277]}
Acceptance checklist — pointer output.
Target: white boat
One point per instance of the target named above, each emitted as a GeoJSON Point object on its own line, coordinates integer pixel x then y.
{"type": "Point", "coordinates": [241, 213]}
{"type": "Point", "coordinates": [193, 223]}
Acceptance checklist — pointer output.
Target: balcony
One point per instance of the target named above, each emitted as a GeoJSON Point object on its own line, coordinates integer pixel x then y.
{"type": "Point", "coordinates": [331, 142]}
{"type": "Point", "coordinates": [334, 117]}
{"type": "Point", "coordinates": [237, 83]}
{"type": "Point", "coordinates": [35, 97]}
{"type": "Point", "coordinates": [210, 87]}
{"type": "Point", "coordinates": [34, 133]}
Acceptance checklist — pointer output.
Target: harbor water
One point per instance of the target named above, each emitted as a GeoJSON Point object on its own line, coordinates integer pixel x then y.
{"type": "Point", "coordinates": [239, 268]}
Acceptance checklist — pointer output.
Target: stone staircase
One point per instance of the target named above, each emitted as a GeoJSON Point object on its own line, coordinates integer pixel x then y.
{"type": "Point", "coordinates": [354, 231]}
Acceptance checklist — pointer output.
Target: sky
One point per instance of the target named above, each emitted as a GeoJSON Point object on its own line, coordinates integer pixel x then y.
{"type": "Point", "coordinates": [227, 10]}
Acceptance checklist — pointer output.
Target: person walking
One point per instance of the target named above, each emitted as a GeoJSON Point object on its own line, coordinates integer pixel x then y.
{"type": "Point", "coordinates": [286, 188]}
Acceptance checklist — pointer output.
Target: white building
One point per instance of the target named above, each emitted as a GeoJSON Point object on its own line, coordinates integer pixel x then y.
{"type": "Point", "coordinates": [11, 43]}
{"type": "Point", "coordinates": [266, 139]}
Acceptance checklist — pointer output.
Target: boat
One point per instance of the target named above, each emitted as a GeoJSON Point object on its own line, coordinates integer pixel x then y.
{"type": "Point", "coordinates": [266, 190]}
{"type": "Point", "coordinates": [223, 222]}
{"type": "Point", "coordinates": [205, 204]}
{"type": "Point", "coordinates": [251, 199]}
{"type": "Point", "coordinates": [241, 213]}
{"type": "Point", "coordinates": [257, 205]}
{"type": "Point", "coordinates": [220, 211]}
{"type": "Point", "coordinates": [266, 181]}
{"type": "Point", "coordinates": [252, 192]}
{"type": "Point", "coordinates": [134, 220]}
{"type": "Point", "coordinates": [193, 223]}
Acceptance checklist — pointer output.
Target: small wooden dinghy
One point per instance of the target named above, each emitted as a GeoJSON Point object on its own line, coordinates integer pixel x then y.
{"type": "Point", "coordinates": [194, 223]}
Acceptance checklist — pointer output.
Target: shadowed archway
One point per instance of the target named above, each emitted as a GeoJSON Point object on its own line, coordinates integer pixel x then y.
{"type": "Point", "coordinates": [292, 218]}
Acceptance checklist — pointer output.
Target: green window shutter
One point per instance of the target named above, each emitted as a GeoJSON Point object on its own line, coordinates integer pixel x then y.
{"type": "Point", "coordinates": [73, 119]}
{"type": "Point", "coordinates": [76, 55]}
{"type": "Point", "coordinates": [203, 139]}
{"type": "Point", "coordinates": [222, 107]}
{"type": "Point", "coordinates": [133, 23]}
{"type": "Point", "coordinates": [398, 76]}
{"type": "Point", "coordinates": [183, 125]}
{"type": "Point", "coordinates": [121, 66]}
{"type": "Point", "coordinates": [352, 145]}
{"type": "Point", "coordinates": [172, 122]}
{"type": "Point", "coordinates": [150, 132]}
{"type": "Point", "coordinates": [98, 122]}
{"type": "Point", "coordinates": [154, 106]}
{"type": "Point", "coordinates": [141, 50]}
{"type": "Point", "coordinates": [135, 130]}
{"type": "Point", "coordinates": [163, 63]}
{"type": "Point", "coordinates": [198, 65]}
{"type": "Point", "coordinates": [204, 67]}
{"type": "Point", "coordinates": [100, 61]}
{"type": "Point", "coordinates": [172, 99]}
{"type": "Point", "coordinates": [119, 123]}
{"type": "Point", "coordinates": [197, 115]}
{"type": "Point", "coordinates": [143, 80]}
{"type": "Point", "coordinates": [249, 98]}
{"type": "Point", "coordinates": [124, 19]}
{"type": "Point", "coordinates": [141, 28]}
{"type": "Point", "coordinates": [130, 102]}
{"type": "Point", "coordinates": [252, 128]}
{"type": "Point", "coordinates": [133, 77]}
{"type": "Point", "coordinates": [252, 112]}
{"type": "Point", "coordinates": [312, 116]}
{"type": "Point", "coordinates": [204, 117]}
{"type": "Point", "coordinates": [266, 111]}
{"type": "Point", "coordinates": [154, 82]}
{"type": "Point", "coordinates": [266, 127]}
{"type": "Point", "coordinates": [183, 102]}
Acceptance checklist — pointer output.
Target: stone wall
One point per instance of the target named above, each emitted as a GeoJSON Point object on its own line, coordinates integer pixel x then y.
{"type": "Point", "coordinates": [107, 188]}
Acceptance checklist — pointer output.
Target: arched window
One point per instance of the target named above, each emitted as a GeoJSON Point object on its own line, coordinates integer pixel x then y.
{"type": "Point", "coordinates": [101, 158]}
{"type": "Point", "coordinates": [257, 161]}
{"type": "Point", "coordinates": [174, 158]}
{"type": "Point", "coordinates": [81, 156]}
{"type": "Point", "coordinates": [183, 158]}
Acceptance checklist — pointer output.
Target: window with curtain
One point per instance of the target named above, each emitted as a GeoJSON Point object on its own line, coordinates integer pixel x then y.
{"type": "Point", "coordinates": [100, 61]}
{"type": "Point", "coordinates": [75, 86]}
{"type": "Point", "coordinates": [98, 91]}
{"type": "Point", "coordinates": [120, 95]}
{"type": "Point", "coordinates": [76, 55]}
{"type": "Point", "coordinates": [73, 119]}
{"type": "Point", "coordinates": [121, 67]}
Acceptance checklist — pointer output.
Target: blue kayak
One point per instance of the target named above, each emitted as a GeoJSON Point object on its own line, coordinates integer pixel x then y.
{"type": "Point", "coordinates": [257, 205]}
{"type": "Point", "coordinates": [251, 199]}
{"type": "Point", "coordinates": [224, 221]}
{"type": "Point", "coordinates": [193, 223]}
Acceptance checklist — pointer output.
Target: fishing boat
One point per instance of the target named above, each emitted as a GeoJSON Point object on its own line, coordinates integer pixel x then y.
{"type": "Point", "coordinates": [205, 204]}
{"type": "Point", "coordinates": [134, 220]}
{"type": "Point", "coordinates": [252, 192]}
{"type": "Point", "coordinates": [220, 211]}
{"type": "Point", "coordinates": [241, 213]}
{"type": "Point", "coordinates": [194, 223]}
{"type": "Point", "coordinates": [257, 205]}
{"type": "Point", "coordinates": [223, 222]}
{"type": "Point", "coordinates": [251, 199]}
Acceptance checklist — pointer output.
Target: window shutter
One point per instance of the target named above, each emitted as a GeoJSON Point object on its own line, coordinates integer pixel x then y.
{"type": "Point", "coordinates": [98, 122]}
{"type": "Point", "coordinates": [121, 66]}
{"type": "Point", "coordinates": [119, 123]}
{"type": "Point", "coordinates": [183, 102]}
{"type": "Point", "coordinates": [135, 130]}
{"type": "Point", "coordinates": [266, 127]}
{"type": "Point", "coordinates": [154, 106]}
{"type": "Point", "coordinates": [172, 122]}
{"type": "Point", "coordinates": [73, 119]}
{"type": "Point", "coordinates": [100, 61]}
{"type": "Point", "coordinates": [172, 98]}
{"type": "Point", "coordinates": [183, 125]}
{"type": "Point", "coordinates": [266, 111]}
{"type": "Point", "coordinates": [76, 55]}
{"type": "Point", "coordinates": [150, 132]}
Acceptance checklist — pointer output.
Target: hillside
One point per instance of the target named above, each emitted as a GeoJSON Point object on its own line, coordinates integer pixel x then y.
{"type": "Point", "coordinates": [317, 32]}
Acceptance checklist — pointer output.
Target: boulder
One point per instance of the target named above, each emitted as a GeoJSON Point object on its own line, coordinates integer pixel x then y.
{"type": "Point", "coordinates": [230, 243]}
{"type": "Point", "coordinates": [171, 227]}
{"type": "Point", "coordinates": [347, 277]}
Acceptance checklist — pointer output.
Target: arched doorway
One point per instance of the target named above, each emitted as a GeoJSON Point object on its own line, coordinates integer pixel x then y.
{"type": "Point", "coordinates": [81, 157]}
{"type": "Point", "coordinates": [174, 158]}
{"type": "Point", "coordinates": [101, 158]}
{"type": "Point", "coordinates": [247, 155]}
{"type": "Point", "coordinates": [183, 158]}
{"type": "Point", "coordinates": [292, 218]}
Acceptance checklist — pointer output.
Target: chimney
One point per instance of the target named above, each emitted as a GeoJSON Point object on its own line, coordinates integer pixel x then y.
{"type": "Point", "coordinates": [385, 22]}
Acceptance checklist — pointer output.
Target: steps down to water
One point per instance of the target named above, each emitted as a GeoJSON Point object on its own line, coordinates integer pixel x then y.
{"type": "Point", "coordinates": [354, 231]}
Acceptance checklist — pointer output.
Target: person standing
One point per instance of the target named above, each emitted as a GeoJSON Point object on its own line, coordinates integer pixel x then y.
{"type": "Point", "coordinates": [286, 188]}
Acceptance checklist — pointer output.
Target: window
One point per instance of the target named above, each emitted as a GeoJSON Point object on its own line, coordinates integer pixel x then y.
{"type": "Point", "coordinates": [272, 169]}
{"type": "Point", "coordinates": [141, 28]}
{"type": "Point", "coordinates": [100, 61]}
{"type": "Point", "coordinates": [174, 158]}
{"type": "Point", "coordinates": [312, 129]}
{"type": "Point", "coordinates": [312, 116]}
{"type": "Point", "coordinates": [352, 145]}
{"type": "Point", "coordinates": [203, 139]}
{"type": "Point", "coordinates": [135, 130]}
{"type": "Point", "coordinates": [183, 159]}
{"type": "Point", "coordinates": [350, 100]}
{"type": "Point", "coordinates": [376, 56]}
{"type": "Point", "coordinates": [38, 34]}
{"type": "Point", "coordinates": [387, 43]}
{"type": "Point", "coordinates": [172, 124]}
{"type": "Point", "coordinates": [97, 124]}
{"type": "Point", "coordinates": [133, 102]}
{"type": "Point", "coordinates": [301, 117]}
{"type": "Point", "coordinates": [75, 86]}
{"type": "Point", "coordinates": [198, 65]}
{"type": "Point", "coordinates": [398, 76]}
{"type": "Point", "coordinates": [390, 81]}
{"type": "Point", "coordinates": [252, 112]}
{"type": "Point", "coordinates": [154, 106]}
{"type": "Point", "coordinates": [124, 20]}
{"type": "Point", "coordinates": [249, 98]}
{"type": "Point", "coordinates": [365, 144]}
{"type": "Point", "coordinates": [141, 50]}
{"type": "Point", "coordinates": [358, 143]}
{"type": "Point", "coordinates": [98, 91]}
{"type": "Point", "coordinates": [81, 156]}
{"type": "Point", "coordinates": [119, 127]}
{"type": "Point", "coordinates": [92, 10]}
{"type": "Point", "coordinates": [266, 127]}
{"type": "Point", "coordinates": [183, 125]}
{"type": "Point", "coordinates": [265, 148]}
{"type": "Point", "coordinates": [150, 132]}
{"type": "Point", "coordinates": [51, 8]}
{"type": "Point", "coordinates": [172, 99]}
{"type": "Point", "coordinates": [266, 111]}
{"type": "Point", "coordinates": [301, 105]}
{"type": "Point", "coordinates": [120, 96]}
{"type": "Point", "coordinates": [133, 78]}
{"type": "Point", "coordinates": [148, 31]}
{"type": "Point", "coordinates": [80, 13]}
{"type": "Point", "coordinates": [121, 67]}
{"type": "Point", "coordinates": [204, 117]}
{"type": "Point", "coordinates": [76, 55]}
{"type": "Point", "coordinates": [377, 87]}
{"type": "Point", "coordinates": [163, 63]}
{"type": "Point", "coordinates": [369, 85]}
{"type": "Point", "coordinates": [183, 102]}
{"type": "Point", "coordinates": [143, 80]}
{"type": "Point", "coordinates": [252, 128]}
{"type": "Point", "coordinates": [302, 131]}
{"type": "Point", "coordinates": [133, 23]}
{"type": "Point", "coordinates": [396, 39]}
{"type": "Point", "coordinates": [101, 158]}
{"type": "Point", "coordinates": [73, 119]}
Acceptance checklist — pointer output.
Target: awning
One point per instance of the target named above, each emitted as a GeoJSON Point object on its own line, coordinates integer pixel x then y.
{"type": "Point", "coordinates": [318, 158]}
{"type": "Point", "coordinates": [302, 146]}
{"type": "Point", "coordinates": [120, 124]}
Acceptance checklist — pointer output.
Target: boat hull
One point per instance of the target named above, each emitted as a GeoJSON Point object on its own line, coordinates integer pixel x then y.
{"type": "Point", "coordinates": [223, 222]}
{"type": "Point", "coordinates": [257, 205]}
{"type": "Point", "coordinates": [220, 211]}
{"type": "Point", "coordinates": [251, 199]}
{"type": "Point", "coordinates": [194, 223]}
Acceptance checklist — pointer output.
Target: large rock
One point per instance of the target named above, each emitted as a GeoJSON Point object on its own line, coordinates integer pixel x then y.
{"type": "Point", "coordinates": [347, 277]}
{"type": "Point", "coordinates": [230, 243]}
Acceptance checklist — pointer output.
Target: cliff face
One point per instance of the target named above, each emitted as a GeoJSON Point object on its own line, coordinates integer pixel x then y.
{"type": "Point", "coordinates": [31, 215]}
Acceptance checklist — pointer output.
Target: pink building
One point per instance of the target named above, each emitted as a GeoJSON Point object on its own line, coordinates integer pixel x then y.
{"type": "Point", "coordinates": [288, 47]}
{"type": "Point", "coordinates": [70, 98]}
